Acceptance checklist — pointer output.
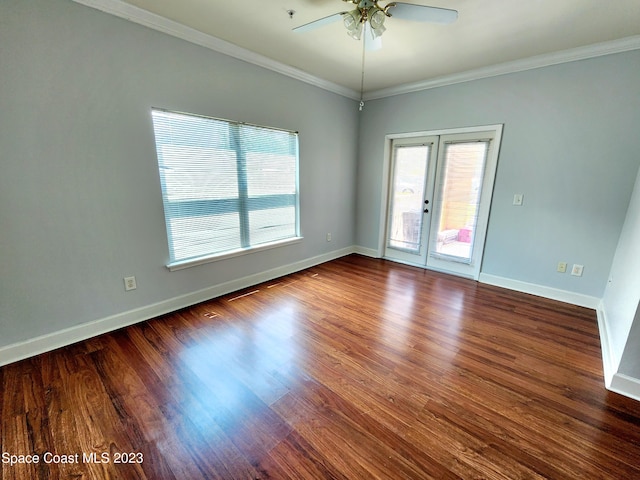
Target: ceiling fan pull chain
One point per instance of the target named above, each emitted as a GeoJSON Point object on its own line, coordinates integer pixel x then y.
{"type": "Point", "coordinates": [362, 78]}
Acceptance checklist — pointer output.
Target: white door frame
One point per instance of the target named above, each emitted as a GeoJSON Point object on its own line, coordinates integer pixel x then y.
{"type": "Point", "coordinates": [420, 257]}
{"type": "Point", "coordinates": [386, 173]}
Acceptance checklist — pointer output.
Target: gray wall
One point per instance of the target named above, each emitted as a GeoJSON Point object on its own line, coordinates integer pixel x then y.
{"type": "Point", "coordinates": [570, 145]}
{"type": "Point", "coordinates": [80, 203]}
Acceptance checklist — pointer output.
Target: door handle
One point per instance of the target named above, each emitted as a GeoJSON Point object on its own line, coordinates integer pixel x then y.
{"type": "Point", "coordinates": [426, 202]}
{"type": "Point", "coordinates": [426, 210]}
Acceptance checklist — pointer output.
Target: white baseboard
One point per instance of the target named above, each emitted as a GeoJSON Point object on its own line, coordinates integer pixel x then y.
{"type": "Point", "coordinates": [35, 346]}
{"type": "Point", "coordinates": [608, 362]}
{"type": "Point", "coordinates": [541, 291]}
{"type": "Point", "coordinates": [625, 385]}
{"type": "Point", "coordinates": [613, 380]}
{"type": "Point", "coordinates": [367, 252]}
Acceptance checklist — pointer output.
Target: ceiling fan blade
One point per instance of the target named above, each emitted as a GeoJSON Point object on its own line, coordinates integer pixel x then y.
{"type": "Point", "coordinates": [421, 13]}
{"type": "Point", "coordinates": [319, 23]}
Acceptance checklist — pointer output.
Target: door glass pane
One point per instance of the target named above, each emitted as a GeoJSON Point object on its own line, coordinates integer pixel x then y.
{"type": "Point", "coordinates": [407, 197]}
{"type": "Point", "coordinates": [458, 200]}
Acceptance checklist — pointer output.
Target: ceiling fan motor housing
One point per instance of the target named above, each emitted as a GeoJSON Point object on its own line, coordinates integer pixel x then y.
{"type": "Point", "coordinates": [368, 8]}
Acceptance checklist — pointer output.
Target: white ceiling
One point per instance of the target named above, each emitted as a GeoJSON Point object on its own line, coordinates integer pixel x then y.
{"type": "Point", "coordinates": [487, 33]}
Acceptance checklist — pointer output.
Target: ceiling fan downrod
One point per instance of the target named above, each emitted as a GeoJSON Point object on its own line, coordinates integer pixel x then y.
{"type": "Point", "coordinates": [367, 7]}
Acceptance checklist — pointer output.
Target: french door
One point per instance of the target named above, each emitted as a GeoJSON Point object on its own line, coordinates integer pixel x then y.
{"type": "Point", "coordinates": [413, 164]}
{"type": "Point", "coordinates": [439, 197]}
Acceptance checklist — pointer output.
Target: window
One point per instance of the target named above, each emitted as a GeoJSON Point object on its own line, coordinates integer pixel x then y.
{"type": "Point", "coordinates": [227, 187]}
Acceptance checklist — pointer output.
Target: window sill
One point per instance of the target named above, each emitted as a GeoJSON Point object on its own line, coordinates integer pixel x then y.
{"type": "Point", "coordinates": [194, 262]}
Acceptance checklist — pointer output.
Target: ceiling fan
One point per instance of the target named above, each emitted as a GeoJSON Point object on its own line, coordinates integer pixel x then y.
{"type": "Point", "coordinates": [369, 17]}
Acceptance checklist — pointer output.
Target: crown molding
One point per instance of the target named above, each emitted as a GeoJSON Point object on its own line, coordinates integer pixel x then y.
{"type": "Point", "coordinates": [156, 22]}
{"type": "Point", "coordinates": [538, 61]}
{"type": "Point", "coordinates": [143, 17]}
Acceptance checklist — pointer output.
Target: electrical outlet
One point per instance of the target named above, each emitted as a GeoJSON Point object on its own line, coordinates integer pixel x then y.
{"type": "Point", "coordinates": [130, 283]}
{"type": "Point", "coordinates": [562, 267]}
{"type": "Point", "coordinates": [328, 237]}
{"type": "Point", "coordinates": [576, 271]}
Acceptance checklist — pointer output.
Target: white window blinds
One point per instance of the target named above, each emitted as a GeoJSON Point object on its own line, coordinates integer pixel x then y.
{"type": "Point", "coordinates": [226, 186]}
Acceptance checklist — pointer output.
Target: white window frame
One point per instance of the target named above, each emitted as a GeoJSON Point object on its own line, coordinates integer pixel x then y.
{"type": "Point", "coordinates": [243, 203]}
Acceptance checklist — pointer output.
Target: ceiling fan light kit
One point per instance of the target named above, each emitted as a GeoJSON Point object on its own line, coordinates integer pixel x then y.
{"type": "Point", "coordinates": [376, 20]}
{"type": "Point", "coordinates": [353, 24]}
{"type": "Point", "coordinates": [367, 11]}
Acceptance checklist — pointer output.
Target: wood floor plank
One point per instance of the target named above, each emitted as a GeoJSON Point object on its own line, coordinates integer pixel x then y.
{"type": "Point", "coordinates": [62, 415]}
{"type": "Point", "coordinates": [357, 445]}
{"type": "Point", "coordinates": [205, 415]}
{"type": "Point", "coordinates": [36, 400]}
{"type": "Point", "coordinates": [98, 426]}
{"type": "Point", "coordinates": [297, 458]}
{"type": "Point", "coordinates": [172, 419]}
{"type": "Point", "coordinates": [354, 369]}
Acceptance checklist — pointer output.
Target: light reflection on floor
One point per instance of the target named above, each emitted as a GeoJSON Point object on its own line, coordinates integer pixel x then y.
{"type": "Point", "coordinates": [452, 312]}
{"type": "Point", "coordinates": [233, 365]}
{"type": "Point", "coordinates": [398, 309]}
{"type": "Point", "coordinates": [396, 322]}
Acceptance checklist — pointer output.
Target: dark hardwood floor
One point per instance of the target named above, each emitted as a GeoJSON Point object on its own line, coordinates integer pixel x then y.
{"type": "Point", "coordinates": [355, 369]}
